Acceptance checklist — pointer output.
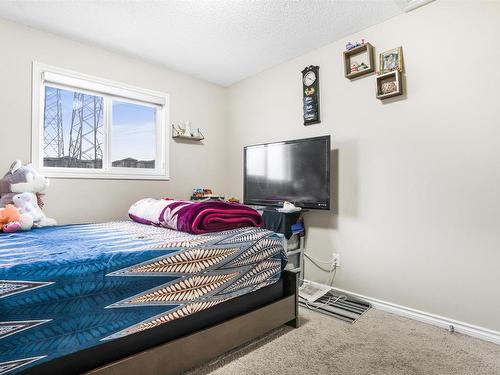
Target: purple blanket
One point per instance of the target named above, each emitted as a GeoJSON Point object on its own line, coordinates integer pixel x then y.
{"type": "Point", "coordinates": [194, 217]}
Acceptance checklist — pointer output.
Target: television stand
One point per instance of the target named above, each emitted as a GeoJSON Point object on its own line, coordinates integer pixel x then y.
{"type": "Point", "coordinates": [281, 222]}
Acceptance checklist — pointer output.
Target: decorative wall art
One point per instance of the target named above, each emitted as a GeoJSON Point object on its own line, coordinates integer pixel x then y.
{"type": "Point", "coordinates": [310, 92]}
{"type": "Point", "coordinates": [391, 60]}
{"type": "Point", "coordinates": [358, 59]}
{"type": "Point", "coordinates": [390, 78]}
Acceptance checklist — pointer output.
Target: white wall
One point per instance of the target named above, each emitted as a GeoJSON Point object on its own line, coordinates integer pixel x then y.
{"type": "Point", "coordinates": [81, 200]}
{"type": "Point", "coordinates": [418, 177]}
{"type": "Point", "coordinates": [418, 218]}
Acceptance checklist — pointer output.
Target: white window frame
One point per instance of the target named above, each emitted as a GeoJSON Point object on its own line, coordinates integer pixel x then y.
{"type": "Point", "coordinates": [46, 75]}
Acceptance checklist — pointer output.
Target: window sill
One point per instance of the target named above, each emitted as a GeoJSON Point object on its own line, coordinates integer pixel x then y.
{"type": "Point", "coordinates": [102, 176]}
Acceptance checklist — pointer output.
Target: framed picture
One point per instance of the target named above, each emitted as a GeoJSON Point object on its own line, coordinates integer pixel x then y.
{"type": "Point", "coordinates": [391, 60]}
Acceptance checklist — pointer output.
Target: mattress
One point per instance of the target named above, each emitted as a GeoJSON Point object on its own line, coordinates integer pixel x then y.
{"type": "Point", "coordinates": [69, 288]}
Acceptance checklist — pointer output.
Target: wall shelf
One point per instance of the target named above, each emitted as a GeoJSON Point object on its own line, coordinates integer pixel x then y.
{"type": "Point", "coordinates": [188, 137]}
{"type": "Point", "coordinates": [176, 134]}
{"type": "Point", "coordinates": [368, 60]}
{"type": "Point", "coordinates": [389, 85]}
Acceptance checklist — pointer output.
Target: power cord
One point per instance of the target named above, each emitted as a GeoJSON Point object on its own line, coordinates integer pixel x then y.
{"type": "Point", "coordinates": [331, 261]}
{"type": "Point", "coordinates": [317, 306]}
{"type": "Point", "coordinates": [331, 271]}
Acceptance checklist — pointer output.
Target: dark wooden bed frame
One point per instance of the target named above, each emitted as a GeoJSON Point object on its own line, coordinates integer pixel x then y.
{"type": "Point", "coordinates": [188, 342]}
{"type": "Point", "coordinates": [197, 348]}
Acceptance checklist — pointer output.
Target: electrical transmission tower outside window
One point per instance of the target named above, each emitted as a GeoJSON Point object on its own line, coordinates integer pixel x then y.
{"type": "Point", "coordinates": [73, 129]}
{"type": "Point", "coordinates": [53, 133]}
{"type": "Point", "coordinates": [86, 134]}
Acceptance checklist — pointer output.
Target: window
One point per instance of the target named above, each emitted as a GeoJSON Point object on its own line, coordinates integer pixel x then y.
{"type": "Point", "coordinates": [85, 127]}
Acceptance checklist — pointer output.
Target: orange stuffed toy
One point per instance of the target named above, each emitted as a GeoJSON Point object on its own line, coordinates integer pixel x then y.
{"type": "Point", "coordinates": [10, 219]}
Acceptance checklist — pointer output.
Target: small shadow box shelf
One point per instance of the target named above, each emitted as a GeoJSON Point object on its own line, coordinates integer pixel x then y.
{"type": "Point", "coordinates": [389, 85]}
{"type": "Point", "coordinates": [362, 55]}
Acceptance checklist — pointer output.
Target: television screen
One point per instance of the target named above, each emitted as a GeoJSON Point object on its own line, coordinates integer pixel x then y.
{"type": "Point", "coordinates": [297, 171]}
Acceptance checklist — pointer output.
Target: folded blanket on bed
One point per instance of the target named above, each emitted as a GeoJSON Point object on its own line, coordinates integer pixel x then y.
{"type": "Point", "coordinates": [194, 217]}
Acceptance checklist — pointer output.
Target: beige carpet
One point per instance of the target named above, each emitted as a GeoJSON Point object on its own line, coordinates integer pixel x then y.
{"type": "Point", "coordinates": [378, 343]}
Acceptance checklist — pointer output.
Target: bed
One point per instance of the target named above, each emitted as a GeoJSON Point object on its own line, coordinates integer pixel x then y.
{"type": "Point", "coordinates": [125, 297]}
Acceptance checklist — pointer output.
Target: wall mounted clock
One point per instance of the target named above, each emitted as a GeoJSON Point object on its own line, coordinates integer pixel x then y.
{"type": "Point", "coordinates": [310, 92]}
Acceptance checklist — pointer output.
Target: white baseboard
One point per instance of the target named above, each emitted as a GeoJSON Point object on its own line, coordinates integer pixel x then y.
{"type": "Point", "coordinates": [425, 317]}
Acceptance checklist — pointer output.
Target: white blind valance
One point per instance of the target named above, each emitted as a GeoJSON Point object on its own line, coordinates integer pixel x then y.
{"type": "Point", "coordinates": [103, 87]}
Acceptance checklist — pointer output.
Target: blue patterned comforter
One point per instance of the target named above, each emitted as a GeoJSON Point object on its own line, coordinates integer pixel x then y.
{"type": "Point", "coordinates": [67, 288]}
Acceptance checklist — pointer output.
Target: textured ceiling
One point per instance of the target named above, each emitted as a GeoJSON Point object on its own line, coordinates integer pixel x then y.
{"type": "Point", "coordinates": [222, 41]}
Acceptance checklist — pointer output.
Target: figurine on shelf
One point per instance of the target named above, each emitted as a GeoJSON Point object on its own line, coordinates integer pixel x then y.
{"type": "Point", "coordinates": [187, 132]}
{"type": "Point", "coordinates": [362, 66]}
{"type": "Point", "coordinates": [349, 46]}
{"type": "Point", "coordinates": [187, 128]}
{"type": "Point", "coordinates": [176, 130]}
{"type": "Point", "coordinates": [197, 133]}
{"type": "Point", "coordinates": [354, 67]}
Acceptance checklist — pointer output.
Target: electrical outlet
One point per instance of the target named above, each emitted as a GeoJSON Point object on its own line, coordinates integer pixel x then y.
{"type": "Point", "coordinates": [336, 259]}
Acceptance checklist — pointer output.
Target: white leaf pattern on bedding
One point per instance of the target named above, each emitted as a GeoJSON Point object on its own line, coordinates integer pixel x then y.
{"type": "Point", "coordinates": [258, 252]}
{"type": "Point", "coordinates": [255, 276]}
{"type": "Point", "coordinates": [182, 242]}
{"type": "Point", "coordinates": [187, 289]}
{"type": "Point", "coordinates": [177, 313]}
{"type": "Point", "coordinates": [250, 235]}
{"type": "Point", "coordinates": [190, 261]}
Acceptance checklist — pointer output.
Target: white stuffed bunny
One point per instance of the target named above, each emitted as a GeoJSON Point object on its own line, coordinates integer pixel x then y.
{"type": "Point", "coordinates": [26, 203]}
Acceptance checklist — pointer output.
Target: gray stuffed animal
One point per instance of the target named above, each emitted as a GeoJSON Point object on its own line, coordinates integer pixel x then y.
{"type": "Point", "coordinates": [24, 179]}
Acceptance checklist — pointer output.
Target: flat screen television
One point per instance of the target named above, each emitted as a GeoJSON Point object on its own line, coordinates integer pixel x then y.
{"type": "Point", "coordinates": [297, 171]}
